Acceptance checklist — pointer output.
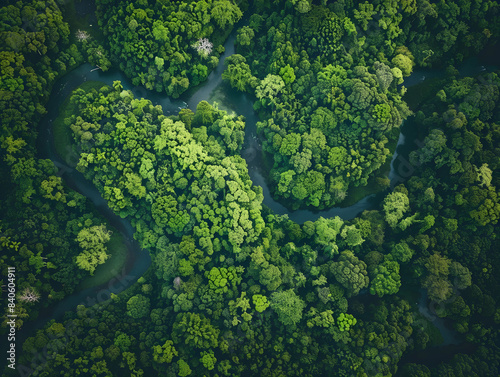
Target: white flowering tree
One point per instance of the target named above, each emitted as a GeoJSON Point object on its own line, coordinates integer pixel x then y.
{"type": "Point", "coordinates": [204, 47]}
{"type": "Point", "coordinates": [82, 35]}
{"type": "Point", "coordinates": [29, 295]}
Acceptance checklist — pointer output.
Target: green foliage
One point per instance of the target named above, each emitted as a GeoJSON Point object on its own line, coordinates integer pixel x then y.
{"type": "Point", "coordinates": [138, 306]}
{"type": "Point", "coordinates": [202, 169]}
{"type": "Point", "coordinates": [270, 277]}
{"type": "Point", "coordinates": [428, 222]}
{"type": "Point", "coordinates": [323, 319]}
{"type": "Point", "coordinates": [122, 341]}
{"type": "Point", "coordinates": [208, 359]}
{"type": "Point", "coordinates": [326, 80]}
{"type": "Point", "coordinates": [345, 321]}
{"type": "Point", "coordinates": [225, 13]}
{"type": "Point", "coordinates": [182, 302]}
{"type": "Point", "coordinates": [269, 88]}
{"type": "Point", "coordinates": [288, 306]}
{"type": "Point", "coordinates": [260, 302]}
{"type": "Point", "coordinates": [352, 235]}
{"type": "Point", "coordinates": [196, 330]}
{"type": "Point", "coordinates": [204, 114]}
{"type": "Point", "coordinates": [401, 252]}
{"type": "Point", "coordinates": [219, 278]}
{"type": "Point", "coordinates": [287, 74]}
{"type": "Point", "coordinates": [245, 36]}
{"type": "Point", "coordinates": [153, 42]}
{"type": "Point", "coordinates": [350, 272]}
{"type": "Point", "coordinates": [238, 73]}
{"type": "Point", "coordinates": [165, 353]}
{"type": "Point", "coordinates": [92, 240]}
{"type": "Point", "coordinates": [395, 205]}
{"type": "Point", "coordinates": [184, 369]}
{"type": "Point", "coordinates": [404, 63]}
{"type": "Point", "coordinates": [326, 233]}
{"type": "Point", "coordinates": [385, 279]}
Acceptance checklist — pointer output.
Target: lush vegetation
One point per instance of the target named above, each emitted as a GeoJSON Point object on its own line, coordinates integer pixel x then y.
{"type": "Point", "coordinates": [234, 289]}
{"type": "Point", "coordinates": [41, 218]}
{"type": "Point", "coordinates": [167, 46]}
{"type": "Point", "coordinates": [327, 81]}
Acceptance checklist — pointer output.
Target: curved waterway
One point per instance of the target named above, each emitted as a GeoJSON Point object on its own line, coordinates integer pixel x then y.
{"type": "Point", "coordinates": [213, 89]}
{"type": "Point", "coordinates": [138, 260]}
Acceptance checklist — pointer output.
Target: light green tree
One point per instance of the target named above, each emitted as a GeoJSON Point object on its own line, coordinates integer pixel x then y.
{"type": "Point", "coordinates": [165, 353]}
{"type": "Point", "coordinates": [269, 88]}
{"type": "Point", "coordinates": [245, 36]}
{"type": "Point", "coordinates": [260, 302]}
{"type": "Point", "coordinates": [225, 13]}
{"type": "Point", "coordinates": [345, 321]}
{"type": "Point", "coordinates": [92, 240]}
{"type": "Point", "coordinates": [395, 205]}
{"type": "Point", "coordinates": [385, 278]}
{"type": "Point", "coordinates": [208, 359]}
{"type": "Point", "coordinates": [404, 63]}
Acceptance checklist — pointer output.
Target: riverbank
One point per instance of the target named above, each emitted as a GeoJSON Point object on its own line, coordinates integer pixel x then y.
{"type": "Point", "coordinates": [105, 272]}
{"type": "Point", "coordinates": [63, 135]}
{"type": "Point", "coordinates": [378, 181]}
{"type": "Point", "coordinates": [65, 148]}
{"type": "Point", "coordinates": [418, 94]}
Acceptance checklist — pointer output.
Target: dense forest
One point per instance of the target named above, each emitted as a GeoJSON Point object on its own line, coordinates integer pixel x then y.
{"type": "Point", "coordinates": [406, 288]}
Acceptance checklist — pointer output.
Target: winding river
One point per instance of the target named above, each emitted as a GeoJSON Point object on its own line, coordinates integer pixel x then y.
{"type": "Point", "coordinates": [138, 260]}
